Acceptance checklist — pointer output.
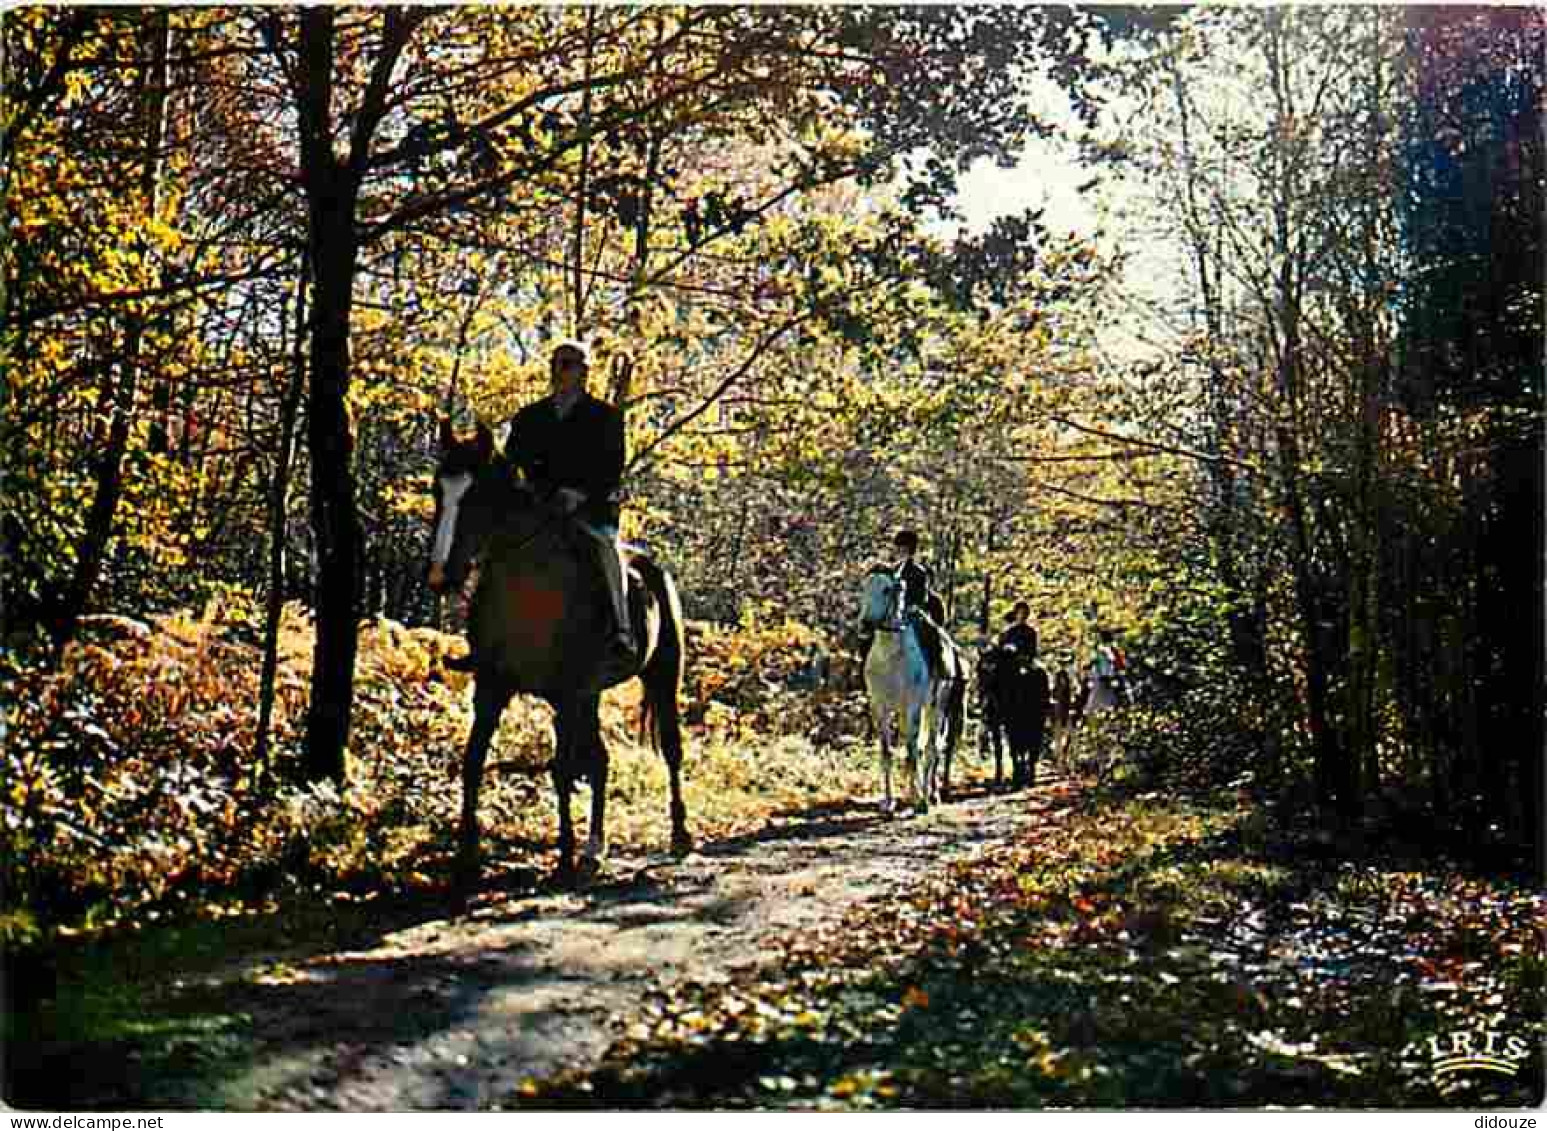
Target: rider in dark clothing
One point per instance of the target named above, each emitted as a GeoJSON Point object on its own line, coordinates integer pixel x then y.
{"type": "Point", "coordinates": [914, 575]}
{"type": "Point", "coordinates": [1020, 635]}
{"type": "Point", "coordinates": [919, 599]}
{"type": "Point", "coordinates": [570, 447]}
{"type": "Point", "coordinates": [581, 450]}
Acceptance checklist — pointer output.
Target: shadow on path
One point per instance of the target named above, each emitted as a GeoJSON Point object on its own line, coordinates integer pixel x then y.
{"type": "Point", "coordinates": [401, 1004]}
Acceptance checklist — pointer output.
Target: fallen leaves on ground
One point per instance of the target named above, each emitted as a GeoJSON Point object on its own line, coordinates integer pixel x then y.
{"type": "Point", "coordinates": [1138, 952]}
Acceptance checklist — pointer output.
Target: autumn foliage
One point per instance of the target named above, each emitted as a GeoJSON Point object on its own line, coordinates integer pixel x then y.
{"type": "Point", "coordinates": [132, 790]}
{"type": "Point", "coordinates": [254, 256]}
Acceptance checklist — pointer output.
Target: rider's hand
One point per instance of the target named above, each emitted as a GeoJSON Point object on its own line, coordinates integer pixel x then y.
{"type": "Point", "coordinates": [569, 499]}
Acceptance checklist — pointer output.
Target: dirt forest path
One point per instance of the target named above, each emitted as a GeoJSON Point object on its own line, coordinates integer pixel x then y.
{"type": "Point", "coordinates": [452, 1013]}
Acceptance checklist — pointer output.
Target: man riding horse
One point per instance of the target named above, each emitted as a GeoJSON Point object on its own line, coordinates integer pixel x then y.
{"type": "Point", "coordinates": [570, 447]}
{"type": "Point", "coordinates": [539, 622]}
{"type": "Point", "coordinates": [1015, 691]}
{"type": "Point", "coordinates": [920, 602]}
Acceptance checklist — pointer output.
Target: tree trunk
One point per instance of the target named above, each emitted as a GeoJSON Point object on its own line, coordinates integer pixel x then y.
{"type": "Point", "coordinates": [1365, 645]}
{"type": "Point", "coordinates": [1334, 779]}
{"type": "Point", "coordinates": [279, 491]}
{"type": "Point", "coordinates": [332, 191]}
{"type": "Point", "coordinates": [154, 36]}
{"type": "Point", "coordinates": [335, 523]}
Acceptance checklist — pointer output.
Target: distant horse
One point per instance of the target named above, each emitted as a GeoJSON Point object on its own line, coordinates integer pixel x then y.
{"type": "Point", "coordinates": [991, 736]}
{"type": "Point", "coordinates": [1016, 695]}
{"type": "Point", "coordinates": [1068, 700]}
{"type": "Point", "coordinates": [537, 624]}
{"type": "Point", "coordinates": [1094, 693]}
{"type": "Point", "coordinates": [926, 712]}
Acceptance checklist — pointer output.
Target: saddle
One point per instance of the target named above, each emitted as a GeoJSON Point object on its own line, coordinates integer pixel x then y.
{"type": "Point", "coordinates": [644, 620]}
{"type": "Point", "coordinates": [935, 643]}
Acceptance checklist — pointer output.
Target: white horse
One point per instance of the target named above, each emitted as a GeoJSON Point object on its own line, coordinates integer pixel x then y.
{"type": "Point", "coordinates": [1097, 691]}
{"type": "Point", "coordinates": [901, 689]}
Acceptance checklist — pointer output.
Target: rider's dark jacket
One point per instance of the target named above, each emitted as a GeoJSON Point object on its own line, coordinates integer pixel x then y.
{"type": "Point", "coordinates": [915, 583]}
{"type": "Point", "coordinates": [1021, 637]}
{"type": "Point", "coordinates": [582, 450]}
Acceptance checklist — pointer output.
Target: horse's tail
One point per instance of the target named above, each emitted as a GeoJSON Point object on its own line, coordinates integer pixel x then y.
{"type": "Point", "coordinates": [660, 712]}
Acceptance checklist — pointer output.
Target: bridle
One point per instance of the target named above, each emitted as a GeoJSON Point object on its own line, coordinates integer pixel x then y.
{"type": "Point", "coordinates": [893, 621]}
{"type": "Point", "coordinates": [550, 520]}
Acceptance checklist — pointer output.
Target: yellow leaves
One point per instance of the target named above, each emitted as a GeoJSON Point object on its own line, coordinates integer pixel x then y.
{"type": "Point", "coordinates": [280, 974]}
{"type": "Point", "coordinates": [875, 1081]}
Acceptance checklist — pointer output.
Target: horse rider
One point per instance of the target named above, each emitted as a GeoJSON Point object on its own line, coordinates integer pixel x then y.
{"type": "Point", "coordinates": [919, 600]}
{"type": "Point", "coordinates": [1019, 636]}
{"type": "Point", "coordinates": [1107, 664]}
{"type": "Point", "coordinates": [570, 447]}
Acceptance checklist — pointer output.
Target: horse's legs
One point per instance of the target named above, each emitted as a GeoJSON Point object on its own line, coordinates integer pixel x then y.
{"type": "Point", "coordinates": [955, 725]}
{"type": "Point", "coordinates": [681, 839]}
{"type": "Point", "coordinates": [1023, 758]}
{"type": "Point", "coordinates": [878, 716]}
{"type": "Point", "coordinates": [884, 727]}
{"type": "Point", "coordinates": [596, 749]}
{"type": "Point", "coordinates": [942, 766]}
{"type": "Point", "coordinates": [489, 701]}
{"type": "Point", "coordinates": [563, 787]}
{"type": "Point", "coordinates": [944, 763]}
{"type": "Point", "coordinates": [996, 740]}
{"type": "Point", "coordinates": [596, 837]}
{"type": "Point", "coordinates": [913, 727]}
{"type": "Point", "coordinates": [924, 772]}
{"type": "Point", "coordinates": [937, 735]}
{"type": "Point", "coordinates": [662, 679]}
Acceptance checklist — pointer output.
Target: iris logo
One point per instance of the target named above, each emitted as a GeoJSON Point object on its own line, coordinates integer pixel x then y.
{"type": "Point", "coordinates": [1477, 1051]}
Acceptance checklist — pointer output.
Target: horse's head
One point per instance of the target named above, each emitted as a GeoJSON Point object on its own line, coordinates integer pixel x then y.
{"type": "Point", "coordinates": [466, 499]}
{"type": "Point", "coordinates": [880, 604]}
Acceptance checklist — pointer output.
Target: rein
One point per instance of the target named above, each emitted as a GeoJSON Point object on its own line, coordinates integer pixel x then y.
{"type": "Point", "coordinates": [549, 521]}
{"type": "Point", "coordinates": [894, 621]}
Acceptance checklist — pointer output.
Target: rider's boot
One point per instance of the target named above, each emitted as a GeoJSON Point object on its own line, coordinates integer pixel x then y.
{"type": "Point", "coordinates": [621, 653]}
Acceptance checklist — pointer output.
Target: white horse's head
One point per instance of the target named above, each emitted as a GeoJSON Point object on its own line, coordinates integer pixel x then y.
{"type": "Point", "coordinates": [881, 599]}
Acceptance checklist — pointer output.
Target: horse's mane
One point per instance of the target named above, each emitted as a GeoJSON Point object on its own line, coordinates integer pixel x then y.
{"type": "Point", "coordinates": [500, 477]}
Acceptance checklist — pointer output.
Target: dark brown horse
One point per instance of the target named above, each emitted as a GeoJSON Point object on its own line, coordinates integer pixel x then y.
{"type": "Point", "coordinates": [537, 624]}
{"type": "Point", "coordinates": [1015, 692]}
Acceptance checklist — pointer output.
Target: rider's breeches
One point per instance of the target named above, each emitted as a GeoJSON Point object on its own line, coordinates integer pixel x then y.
{"type": "Point", "coordinates": [610, 557]}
